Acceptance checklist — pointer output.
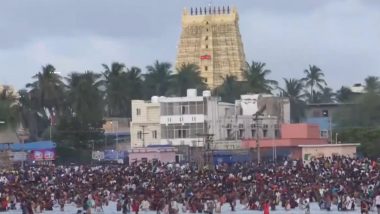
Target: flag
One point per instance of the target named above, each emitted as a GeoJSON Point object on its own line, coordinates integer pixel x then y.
{"type": "Point", "coordinates": [205, 57]}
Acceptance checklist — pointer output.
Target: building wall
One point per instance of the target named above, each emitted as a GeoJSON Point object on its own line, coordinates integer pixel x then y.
{"type": "Point", "coordinates": [145, 125]}
{"type": "Point", "coordinates": [282, 142]}
{"type": "Point", "coordinates": [301, 130]}
{"type": "Point", "coordinates": [151, 155]}
{"type": "Point", "coordinates": [329, 151]}
{"type": "Point", "coordinates": [212, 41]}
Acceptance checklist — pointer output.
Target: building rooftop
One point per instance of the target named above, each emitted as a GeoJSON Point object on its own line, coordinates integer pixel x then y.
{"type": "Point", "coordinates": [330, 145]}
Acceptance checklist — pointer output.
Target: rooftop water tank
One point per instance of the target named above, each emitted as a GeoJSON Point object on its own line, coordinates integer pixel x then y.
{"type": "Point", "coordinates": [191, 92]}
{"type": "Point", "coordinates": [154, 99]}
{"type": "Point", "coordinates": [206, 93]}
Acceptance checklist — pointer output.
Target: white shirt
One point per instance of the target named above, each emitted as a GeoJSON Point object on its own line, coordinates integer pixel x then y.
{"type": "Point", "coordinates": [377, 200]}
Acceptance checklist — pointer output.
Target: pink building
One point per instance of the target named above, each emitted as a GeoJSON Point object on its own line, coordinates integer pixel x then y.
{"type": "Point", "coordinates": [162, 154]}
{"type": "Point", "coordinates": [292, 136]}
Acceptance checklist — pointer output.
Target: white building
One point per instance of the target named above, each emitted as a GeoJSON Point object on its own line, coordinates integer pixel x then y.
{"type": "Point", "coordinates": [145, 125]}
{"type": "Point", "coordinates": [186, 120]}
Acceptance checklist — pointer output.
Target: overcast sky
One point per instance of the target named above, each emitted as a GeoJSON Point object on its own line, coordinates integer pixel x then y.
{"type": "Point", "coordinates": [342, 37]}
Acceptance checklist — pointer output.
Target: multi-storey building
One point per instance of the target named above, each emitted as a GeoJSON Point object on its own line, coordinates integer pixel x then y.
{"type": "Point", "coordinates": [145, 125]}
{"type": "Point", "coordinates": [187, 121]}
{"type": "Point", "coordinates": [211, 39]}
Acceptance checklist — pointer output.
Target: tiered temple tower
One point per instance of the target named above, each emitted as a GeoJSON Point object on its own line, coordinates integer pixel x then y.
{"type": "Point", "coordinates": [211, 39]}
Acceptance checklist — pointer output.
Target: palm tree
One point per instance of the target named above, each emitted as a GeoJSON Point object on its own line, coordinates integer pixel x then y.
{"type": "Point", "coordinates": [116, 89]}
{"type": "Point", "coordinates": [230, 90]}
{"type": "Point", "coordinates": [344, 94]}
{"type": "Point", "coordinates": [294, 92]}
{"type": "Point", "coordinates": [48, 90]}
{"type": "Point", "coordinates": [85, 97]}
{"type": "Point", "coordinates": [134, 84]}
{"type": "Point", "coordinates": [326, 95]}
{"type": "Point", "coordinates": [157, 80]}
{"type": "Point", "coordinates": [314, 77]}
{"type": "Point", "coordinates": [256, 76]}
{"type": "Point", "coordinates": [187, 76]}
{"type": "Point", "coordinates": [81, 126]}
{"type": "Point", "coordinates": [372, 84]}
{"type": "Point", "coordinates": [33, 117]}
{"type": "Point", "coordinates": [9, 115]}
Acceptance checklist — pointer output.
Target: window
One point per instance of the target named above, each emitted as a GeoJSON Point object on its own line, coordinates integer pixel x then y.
{"type": "Point", "coordinates": [265, 126]}
{"type": "Point", "coordinates": [229, 133]}
{"type": "Point", "coordinates": [206, 38]}
{"type": "Point", "coordinates": [205, 79]}
{"type": "Point", "coordinates": [154, 134]}
{"type": "Point", "coordinates": [277, 133]}
{"type": "Point", "coordinates": [138, 111]}
{"type": "Point", "coordinates": [183, 110]}
{"type": "Point", "coordinates": [324, 133]}
{"type": "Point", "coordinates": [265, 133]}
{"type": "Point", "coordinates": [139, 134]}
{"type": "Point", "coordinates": [241, 133]}
{"type": "Point", "coordinates": [206, 46]}
{"type": "Point", "coordinates": [253, 126]}
{"type": "Point", "coordinates": [206, 29]}
{"type": "Point", "coordinates": [241, 126]}
{"type": "Point", "coordinates": [206, 68]}
{"type": "Point", "coordinates": [253, 131]}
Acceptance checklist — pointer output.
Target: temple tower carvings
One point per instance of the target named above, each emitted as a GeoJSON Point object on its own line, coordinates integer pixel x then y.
{"type": "Point", "coordinates": [211, 39]}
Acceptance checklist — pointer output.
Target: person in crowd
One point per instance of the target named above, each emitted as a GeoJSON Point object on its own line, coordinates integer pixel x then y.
{"type": "Point", "coordinates": [377, 202]}
{"type": "Point", "coordinates": [327, 180]}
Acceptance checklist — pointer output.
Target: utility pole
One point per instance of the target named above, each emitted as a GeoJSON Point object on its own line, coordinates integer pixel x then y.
{"type": "Point", "coordinates": [207, 152]}
{"type": "Point", "coordinates": [143, 134]}
{"type": "Point", "coordinates": [256, 119]}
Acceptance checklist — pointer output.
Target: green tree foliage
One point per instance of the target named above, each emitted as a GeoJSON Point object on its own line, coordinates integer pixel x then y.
{"type": "Point", "coordinates": [372, 84]}
{"type": "Point", "coordinates": [187, 76]}
{"type": "Point", "coordinates": [344, 95]}
{"type": "Point", "coordinates": [294, 91]}
{"type": "Point", "coordinates": [82, 125]}
{"type": "Point", "coordinates": [47, 90]}
{"type": "Point", "coordinates": [116, 89]}
{"type": "Point", "coordinates": [157, 81]}
{"type": "Point", "coordinates": [314, 79]}
{"type": "Point", "coordinates": [326, 95]}
{"type": "Point", "coordinates": [359, 121]}
{"type": "Point", "coordinates": [33, 116]}
{"type": "Point", "coordinates": [230, 90]}
{"type": "Point", "coordinates": [8, 108]}
{"type": "Point", "coordinates": [256, 76]}
{"type": "Point", "coordinates": [369, 139]}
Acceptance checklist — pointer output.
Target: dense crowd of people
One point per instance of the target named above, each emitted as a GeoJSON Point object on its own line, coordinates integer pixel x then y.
{"type": "Point", "coordinates": [173, 188]}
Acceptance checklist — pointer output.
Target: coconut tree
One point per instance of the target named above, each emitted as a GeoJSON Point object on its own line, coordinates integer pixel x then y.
{"type": "Point", "coordinates": [32, 116]}
{"type": "Point", "coordinates": [344, 94]}
{"type": "Point", "coordinates": [326, 95]}
{"type": "Point", "coordinates": [47, 90]}
{"type": "Point", "coordinates": [85, 97]}
{"type": "Point", "coordinates": [293, 90]}
{"type": "Point", "coordinates": [9, 116]}
{"type": "Point", "coordinates": [116, 89]}
{"type": "Point", "coordinates": [157, 80]}
{"type": "Point", "coordinates": [230, 90]}
{"type": "Point", "coordinates": [81, 126]}
{"type": "Point", "coordinates": [314, 78]}
{"type": "Point", "coordinates": [187, 76]}
{"type": "Point", "coordinates": [372, 84]}
{"type": "Point", "coordinates": [256, 76]}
